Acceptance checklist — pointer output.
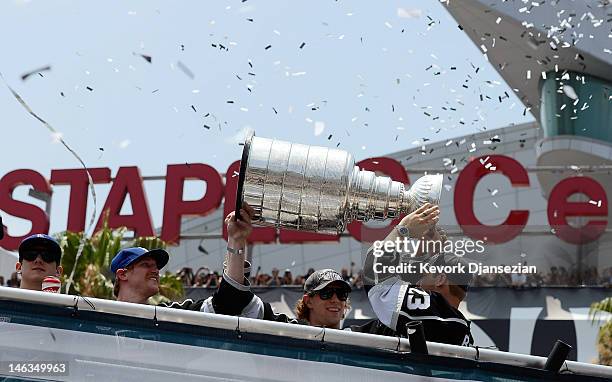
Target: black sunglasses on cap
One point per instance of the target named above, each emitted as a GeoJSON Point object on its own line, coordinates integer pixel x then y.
{"type": "Point", "coordinates": [327, 293]}
{"type": "Point", "coordinates": [45, 256]}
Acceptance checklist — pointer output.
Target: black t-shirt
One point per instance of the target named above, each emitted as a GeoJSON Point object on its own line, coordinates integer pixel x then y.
{"type": "Point", "coordinates": [234, 299]}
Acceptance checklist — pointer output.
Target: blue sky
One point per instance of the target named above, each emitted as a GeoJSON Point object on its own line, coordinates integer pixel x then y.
{"type": "Point", "coordinates": [373, 77]}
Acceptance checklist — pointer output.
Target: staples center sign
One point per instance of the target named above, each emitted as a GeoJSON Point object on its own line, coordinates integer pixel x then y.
{"type": "Point", "coordinates": [128, 181]}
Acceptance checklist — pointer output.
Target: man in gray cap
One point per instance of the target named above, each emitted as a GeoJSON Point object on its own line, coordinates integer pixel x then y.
{"type": "Point", "coordinates": [325, 300]}
{"type": "Point", "coordinates": [326, 294]}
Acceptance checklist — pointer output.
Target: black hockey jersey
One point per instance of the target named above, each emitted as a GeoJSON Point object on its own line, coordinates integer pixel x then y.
{"type": "Point", "coordinates": [234, 299]}
{"type": "Point", "coordinates": [396, 303]}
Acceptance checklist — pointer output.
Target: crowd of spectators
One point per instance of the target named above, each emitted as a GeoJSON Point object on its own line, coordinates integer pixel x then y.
{"type": "Point", "coordinates": [13, 281]}
{"type": "Point", "coordinates": [205, 277]}
{"type": "Point", "coordinates": [556, 276]}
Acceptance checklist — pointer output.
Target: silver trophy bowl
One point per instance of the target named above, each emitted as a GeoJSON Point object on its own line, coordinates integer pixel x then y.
{"type": "Point", "coordinates": [318, 189]}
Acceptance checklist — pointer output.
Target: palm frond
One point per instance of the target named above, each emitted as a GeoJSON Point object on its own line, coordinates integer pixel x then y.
{"type": "Point", "coordinates": [171, 286]}
{"type": "Point", "coordinates": [603, 306]}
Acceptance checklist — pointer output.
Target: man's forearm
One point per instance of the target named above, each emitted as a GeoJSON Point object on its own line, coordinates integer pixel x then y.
{"type": "Point", "coordinates": [235, 261]}
{"type": "Point", "coordinates": [392, 236]}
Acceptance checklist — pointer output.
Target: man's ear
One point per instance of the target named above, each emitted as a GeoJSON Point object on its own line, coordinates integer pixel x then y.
{"type": "Point", "coordinates": [306, 299]}
{"type": "Point", "coordinates": [18, 266]}
{"type": "Point", "coordinates": [121, 274]}
{"type": "Point", "coordinates": [59, 270]}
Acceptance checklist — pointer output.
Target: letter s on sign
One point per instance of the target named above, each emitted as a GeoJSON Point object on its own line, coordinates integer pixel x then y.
{"type": "Point", "coordinates": [17, 208]}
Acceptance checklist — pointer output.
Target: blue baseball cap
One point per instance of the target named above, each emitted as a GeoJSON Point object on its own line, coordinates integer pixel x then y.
{"type": "Point", "coordinates": [127, 256]}
{"type": "Point", "coordinates": [41, 240]}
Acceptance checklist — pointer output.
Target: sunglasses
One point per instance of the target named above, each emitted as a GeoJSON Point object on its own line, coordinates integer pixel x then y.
{"type": "Point", "coordinates": [327, 293]}
{"type": "Point", "coordinates": [45, 256]}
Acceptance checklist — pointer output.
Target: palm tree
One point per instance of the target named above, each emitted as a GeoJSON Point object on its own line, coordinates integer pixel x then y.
{"type": "Point", "coordinates": [92, 272]}
{"type": "Point", "coordinates": [92, 276]}
{"type": "Point", "coordinates": [604, 338]}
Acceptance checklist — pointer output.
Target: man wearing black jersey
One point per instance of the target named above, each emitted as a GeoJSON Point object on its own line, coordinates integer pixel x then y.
{"type": "Point", "coordinates": [234, 296]}
{"type": "Point", "coordinates": [432, 298]}
{"type": "Point", "coordinates": [137, 276]}
{"type": "Point", "coordinates": [326, 293]}
{"type": "Point", "coordinates": [325, 299]}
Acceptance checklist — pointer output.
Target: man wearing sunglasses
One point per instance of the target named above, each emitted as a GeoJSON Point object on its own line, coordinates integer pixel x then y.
{"type": "Point", "coordinates": [325, 299]}
{"type": "Point", "coordinates": [39, 256]}
{"type": "Point", "coordinates": [323, 304]}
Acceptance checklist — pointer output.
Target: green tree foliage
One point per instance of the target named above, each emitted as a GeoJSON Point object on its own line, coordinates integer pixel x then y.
{"type": "Point", "coordinates": [604, 337]}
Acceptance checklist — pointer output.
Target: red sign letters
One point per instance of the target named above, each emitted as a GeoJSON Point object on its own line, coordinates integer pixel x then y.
{"type": "Point", "coordinates": [128, 181]}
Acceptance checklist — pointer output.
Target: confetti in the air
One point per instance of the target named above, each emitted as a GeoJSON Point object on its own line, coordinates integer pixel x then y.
{"type": "Point", "coordinates": [57, 136]}
{"type": "Point", "coordinates": [146, 57]}
{"type": "Point", "coordinates": [185, 70]}
{"type": "Point", "coordinates": [409, 13]}
{"type": "Point", "coordinates": [570, 92]}
{"type": "Point", "coordinates": [319, 127]}
{"type": "Point", "coordinates": [25, 76]}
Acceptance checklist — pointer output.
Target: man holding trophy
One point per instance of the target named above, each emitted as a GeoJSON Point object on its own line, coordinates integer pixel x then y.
{"type": "Point", "coordinates": [326, 295]}
{"type": "Point", "coordinates": [317, 189]}
{"type": "Point", "coordinates": [325, 300]}
{"type": "Point", "coordinates": [431, 298]}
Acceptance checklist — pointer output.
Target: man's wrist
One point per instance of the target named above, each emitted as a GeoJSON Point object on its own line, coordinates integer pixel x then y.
{"type": "Point", "coordinates": [240, 243]}
{"type": "Point", "coordinates": [238, 251]}
{"type": "Point", "coordinates": [402, 230]}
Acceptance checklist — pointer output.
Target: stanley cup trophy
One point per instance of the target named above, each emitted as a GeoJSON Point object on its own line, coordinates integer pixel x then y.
{"type": "Point", "coordinates": [318, 189]}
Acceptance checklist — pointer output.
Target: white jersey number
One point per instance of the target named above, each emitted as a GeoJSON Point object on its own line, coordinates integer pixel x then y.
{"type": "Point", "coordinates": [417, 299]}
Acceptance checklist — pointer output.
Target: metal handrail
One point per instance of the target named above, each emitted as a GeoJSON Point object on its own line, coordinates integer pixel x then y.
{"type": "Point", "coordinates": [249, 325]}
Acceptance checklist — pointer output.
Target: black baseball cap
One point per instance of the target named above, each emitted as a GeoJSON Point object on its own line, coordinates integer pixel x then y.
{"type": "Point", "coordinates": [41, 241]}
{"type": "Point", "coordinates": [322, 278]}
